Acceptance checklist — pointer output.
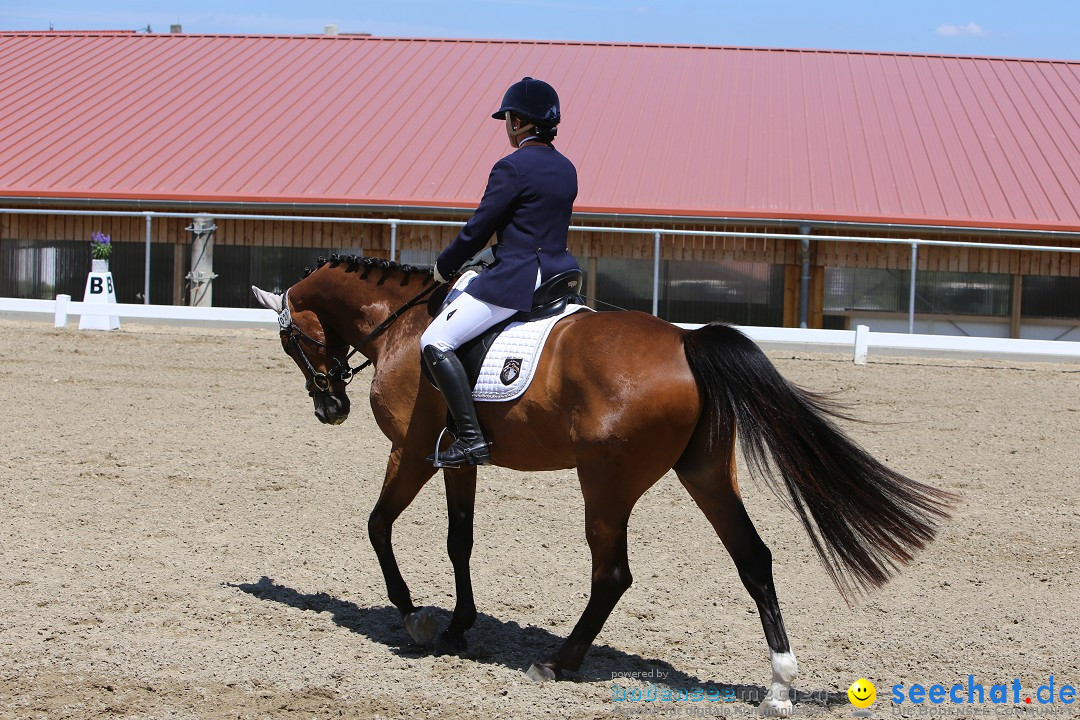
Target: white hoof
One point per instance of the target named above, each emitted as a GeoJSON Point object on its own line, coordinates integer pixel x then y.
{"type": "Point", "coordinates": [771, 707]}
{"type": "Point", "coordinates": [421, 626]}
{"type": "Point", "coordinates": [777, 702]}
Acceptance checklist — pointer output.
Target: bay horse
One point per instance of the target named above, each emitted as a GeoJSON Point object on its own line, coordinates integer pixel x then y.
{"type": "Point", "coordinates": [623, 397]}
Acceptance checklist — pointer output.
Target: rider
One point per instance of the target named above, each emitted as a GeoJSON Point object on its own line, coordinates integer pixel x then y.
{"type": "Point", "coordinates": [527, 206]}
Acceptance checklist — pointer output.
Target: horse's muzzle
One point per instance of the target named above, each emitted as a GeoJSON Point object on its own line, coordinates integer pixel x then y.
{"type": "Point", "coordinates": [330, 407]}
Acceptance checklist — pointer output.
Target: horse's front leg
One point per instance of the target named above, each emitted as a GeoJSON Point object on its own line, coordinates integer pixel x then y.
{"type": "Point", "coordinates": [406, 474]}
{"type": "Point", "coordinates": [605, 529]}
{"type": "Point", "coordinates": [460, 501]}
{"type": "Point", "coordinates": [610, 492]}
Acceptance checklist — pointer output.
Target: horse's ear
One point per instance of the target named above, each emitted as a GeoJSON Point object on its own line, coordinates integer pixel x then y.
{"type": "Point", "coordinates": [268, 299]}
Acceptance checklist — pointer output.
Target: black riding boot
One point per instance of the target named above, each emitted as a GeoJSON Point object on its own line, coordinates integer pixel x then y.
{"type": "Point", "coordinates": [469, 447]}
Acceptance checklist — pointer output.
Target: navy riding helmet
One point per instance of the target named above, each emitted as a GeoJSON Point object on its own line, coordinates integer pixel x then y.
{"type": "Point", "coordinates": [533, 100]}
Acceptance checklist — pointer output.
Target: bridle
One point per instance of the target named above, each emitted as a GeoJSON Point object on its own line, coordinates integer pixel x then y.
{"type": "Point", "coordinates": [341, 372]}
{"type": "Point", "coordinates": [319, 380]}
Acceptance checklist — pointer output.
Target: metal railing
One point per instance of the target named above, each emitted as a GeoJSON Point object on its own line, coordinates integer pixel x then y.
{"type": "Point", "coordinates": [657, 233]}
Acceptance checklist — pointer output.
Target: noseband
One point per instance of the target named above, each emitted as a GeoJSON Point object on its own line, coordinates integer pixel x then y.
{"type": "Point", "coordinates": [341, 372]}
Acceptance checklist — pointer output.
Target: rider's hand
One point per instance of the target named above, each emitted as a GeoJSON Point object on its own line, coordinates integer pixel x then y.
{"type": "Point", "coordinates": [438, 275]}
{"type": "Point", "coordinates": [483, 258]}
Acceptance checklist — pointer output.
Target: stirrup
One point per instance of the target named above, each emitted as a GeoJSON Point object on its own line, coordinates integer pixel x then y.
{"type": "Point", "coordinates": [438, 444]}
{"type": "Point", "coordinates": [434, 457]}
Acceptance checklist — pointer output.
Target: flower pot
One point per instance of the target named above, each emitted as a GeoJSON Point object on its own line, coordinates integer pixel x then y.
{"type": "Point", "coordinates": [99, 266]}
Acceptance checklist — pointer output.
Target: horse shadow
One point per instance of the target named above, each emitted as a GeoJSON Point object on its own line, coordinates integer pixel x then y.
{"type": "Point", "coordinates": [506, 643]}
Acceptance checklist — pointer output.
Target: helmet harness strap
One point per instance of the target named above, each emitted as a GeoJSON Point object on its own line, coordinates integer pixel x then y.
{"type": "Point", "coordinates": [521, 130]}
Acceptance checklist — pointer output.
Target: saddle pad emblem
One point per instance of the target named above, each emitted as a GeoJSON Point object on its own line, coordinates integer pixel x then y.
{"type": "Point", "coordinates": [511, 370]}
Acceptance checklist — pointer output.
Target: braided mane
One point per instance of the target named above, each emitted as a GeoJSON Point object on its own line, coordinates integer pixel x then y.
{"type": "Point", "coordinates": [353, 262]}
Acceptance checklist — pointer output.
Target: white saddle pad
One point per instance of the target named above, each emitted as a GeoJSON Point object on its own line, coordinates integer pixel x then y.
{"type": "Point", "coordinates": [511, 362]}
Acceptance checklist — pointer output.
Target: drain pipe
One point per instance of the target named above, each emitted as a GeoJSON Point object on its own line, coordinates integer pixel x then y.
{"type": "Point", "coordinates": [146, 265]}
{"type": "Point", "coordinates": [911, 290]}
{"type": "Point", "coordinates": [804, 284]}
{"type": "Point", "coordinates": [656, 275]}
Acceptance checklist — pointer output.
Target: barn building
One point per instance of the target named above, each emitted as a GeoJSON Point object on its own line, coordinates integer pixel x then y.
{"type": "Point", "coordinates": [795, 147]}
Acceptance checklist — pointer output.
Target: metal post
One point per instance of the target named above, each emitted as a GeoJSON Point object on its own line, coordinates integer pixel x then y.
{"type": "Point", "coordinates": [911, 294]}
{"type": "Point", "coordinates": [656, 275]}
{"type": "Point", "coordinates": [146, 275]}
{"type": "Point", "coordinates": [804, 283]}
{"type": "Point", "coordinates": [393, 240]}
{"type": "Point", "coordinates": [202, 273]}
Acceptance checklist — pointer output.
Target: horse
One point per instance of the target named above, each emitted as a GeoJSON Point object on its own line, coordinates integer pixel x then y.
{"type": "Point", "coordinates": [623, 397]}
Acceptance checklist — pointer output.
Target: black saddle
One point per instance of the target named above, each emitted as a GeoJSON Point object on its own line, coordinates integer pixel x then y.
{"type": "Point", "coordinates": [551, 298]}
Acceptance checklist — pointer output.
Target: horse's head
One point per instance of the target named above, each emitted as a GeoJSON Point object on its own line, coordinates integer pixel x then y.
{"type": "Point", "coordinates": [319, 354]}
{"type": "Point", "coordinates": [348, 305]}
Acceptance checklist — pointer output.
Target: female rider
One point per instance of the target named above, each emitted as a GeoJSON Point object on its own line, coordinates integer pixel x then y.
{"type": "Point", "coordinates": [526, 206]}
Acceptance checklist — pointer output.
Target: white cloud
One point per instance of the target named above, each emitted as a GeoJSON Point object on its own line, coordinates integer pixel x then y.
{"type": "Point", "coordinates": [972, 29]}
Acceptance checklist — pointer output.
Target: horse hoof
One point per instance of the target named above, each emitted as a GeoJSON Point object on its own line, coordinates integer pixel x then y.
{"type": "Point", "coordinates": [771, 707]}
{"type": "Point", "coordinates": [447, 645]}
{"type": "Point", "coordinates": [421, 625]}
{"type": "Point", "coordinates": [540, 673]}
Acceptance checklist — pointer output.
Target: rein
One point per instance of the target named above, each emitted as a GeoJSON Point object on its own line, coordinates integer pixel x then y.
{"type": "Point", "coordinates": [341, 370]}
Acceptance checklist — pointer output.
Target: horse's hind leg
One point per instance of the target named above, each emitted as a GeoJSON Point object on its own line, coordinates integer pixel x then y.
{"type": "Point", "coordinates": [714, 488]}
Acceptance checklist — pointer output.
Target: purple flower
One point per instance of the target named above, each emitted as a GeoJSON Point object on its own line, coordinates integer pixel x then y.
{"type": "Point", "coordinates": [100, 246]}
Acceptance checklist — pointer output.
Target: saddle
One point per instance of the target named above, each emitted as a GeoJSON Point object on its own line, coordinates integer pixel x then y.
{"type": "Point", "coordinates": [550, 299]}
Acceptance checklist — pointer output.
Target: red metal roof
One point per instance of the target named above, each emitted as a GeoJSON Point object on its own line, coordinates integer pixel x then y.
{"type": "Point", "coordinates": [77, 32]}
{"type": "Point", "coordinates": [695, 131]}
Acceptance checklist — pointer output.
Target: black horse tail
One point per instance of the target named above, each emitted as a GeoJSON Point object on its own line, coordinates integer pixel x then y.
{"type": "Point", "coordinates": [865, 520]}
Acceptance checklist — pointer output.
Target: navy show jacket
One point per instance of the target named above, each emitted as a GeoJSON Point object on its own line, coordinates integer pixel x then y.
{"type": "Point", "coordinates": [527, 205]}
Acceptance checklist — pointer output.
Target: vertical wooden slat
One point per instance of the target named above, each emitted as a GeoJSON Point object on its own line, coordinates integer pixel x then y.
{"type": "Point", "coordinates": [590, 281]}
{"type": "Point", "coordinates": [180, 270]}
{"type": "Point", "coordinates": [1014, 307]}
{"type": "Point", "coordinates": [792, 279]}
{"type": "Point", "coordinates": [817, 297]}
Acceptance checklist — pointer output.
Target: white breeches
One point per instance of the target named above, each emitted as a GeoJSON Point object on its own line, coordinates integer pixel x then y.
{"type": "Point", "coordinates": [464, 318]}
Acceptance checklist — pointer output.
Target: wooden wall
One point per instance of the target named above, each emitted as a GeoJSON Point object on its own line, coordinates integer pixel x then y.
{"type": "Point", "coordinates": [79, 227]}
{"type": "Point", "coordinates": [954, 259]}
{"type": "Point", "coordinates": [374, 240]}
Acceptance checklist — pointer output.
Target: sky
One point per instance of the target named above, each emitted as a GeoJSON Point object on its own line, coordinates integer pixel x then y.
{"type": "Point", "coordinates": [1013, 28]}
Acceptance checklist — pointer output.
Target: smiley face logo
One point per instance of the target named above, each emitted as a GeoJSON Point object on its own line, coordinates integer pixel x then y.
{"type": "Point", "coordinates": [862, 693]}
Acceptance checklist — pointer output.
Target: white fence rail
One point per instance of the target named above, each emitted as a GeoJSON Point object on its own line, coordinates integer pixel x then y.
{"type": "Point", "coordinates": [63, 306]}
{"type": "Point", "coordinates": [862, 340]}
{"type": "Point", "coordinates": [859, 341]}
